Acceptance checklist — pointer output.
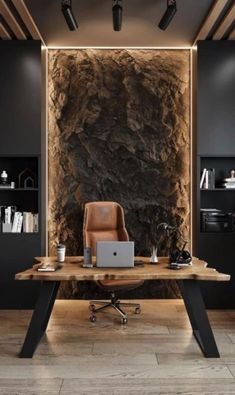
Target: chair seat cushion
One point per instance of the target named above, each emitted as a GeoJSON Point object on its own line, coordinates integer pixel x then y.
{"type": "Point", "coordinates": [119, 284]}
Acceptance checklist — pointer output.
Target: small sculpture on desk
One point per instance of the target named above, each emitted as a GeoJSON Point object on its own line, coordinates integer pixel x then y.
{"type": "Point", "coordinates": [157, 235]}
{"type": "Point", "coordinates": [153, 258]}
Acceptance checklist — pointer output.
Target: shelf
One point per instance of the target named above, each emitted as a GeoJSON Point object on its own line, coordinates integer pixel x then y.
{"type": "Point", "coordinates": [217, 233]}
{"type": "Point", "coordinates": [218, 189]}
{"type": "Point", "coordinates": [19, 189]}
{"type": "Point", "coordinates": [19, 234]}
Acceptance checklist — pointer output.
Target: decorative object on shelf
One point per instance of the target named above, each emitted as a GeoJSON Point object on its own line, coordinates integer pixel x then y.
{"type": "Point", "coordinates": [27, 179]}
{"type": "Point", "coordinates": [229, 183]}
{"type": "Point", "coordinates": [8, 186]}
{"type": "Point", "coordinates": [4, 177]}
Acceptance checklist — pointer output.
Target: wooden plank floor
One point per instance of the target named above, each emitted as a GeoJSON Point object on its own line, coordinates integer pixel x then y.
{"type": "Point", "coordinates": [154, 354]}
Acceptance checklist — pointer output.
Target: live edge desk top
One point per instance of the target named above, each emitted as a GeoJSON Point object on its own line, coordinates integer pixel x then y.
{"type": "Point", "coordinates": [72, 270]}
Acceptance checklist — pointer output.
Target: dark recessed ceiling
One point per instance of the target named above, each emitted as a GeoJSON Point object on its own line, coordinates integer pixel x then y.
{"type": "Point", "coordinates": [140, 22]}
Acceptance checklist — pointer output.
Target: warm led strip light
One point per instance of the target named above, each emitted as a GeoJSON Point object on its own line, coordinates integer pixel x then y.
{"type": "Point", "coordinates": [191, 49]}
{"type": "Point", "coordinates": [120, 47]}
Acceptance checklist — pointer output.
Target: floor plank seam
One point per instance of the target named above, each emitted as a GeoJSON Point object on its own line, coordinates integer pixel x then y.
{"type": "Point", "coordinates": [157, 358]}
{"type": "Point", "coordinates": [230, 371]}
{"type": "Point", "coordinates": [61, 385]}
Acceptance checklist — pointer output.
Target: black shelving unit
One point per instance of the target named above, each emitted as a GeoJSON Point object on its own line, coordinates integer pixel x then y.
{"type": "Point", "coordinates": [18, 249]}
{"type": "Point", "coordinates": [24, 199]}
{"type": "Point", "coordinates": [20, 148]}
{"type": "Point", "coordinates": [215, 144]}
{"type": "Point", "coordinates": [217, 248]}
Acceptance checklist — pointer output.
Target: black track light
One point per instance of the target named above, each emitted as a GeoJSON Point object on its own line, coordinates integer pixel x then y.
{"type": "Point", "coordinates": [168, 14]}
{"type": "Point", "coordinates": [66, 8]}
{"type": "Point", "coordinates": [117, 15]}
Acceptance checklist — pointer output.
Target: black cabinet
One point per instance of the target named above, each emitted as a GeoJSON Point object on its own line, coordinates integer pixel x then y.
{"type": "Point", "coordinates": [20, 149]}
{"type": "Point", "coordinates": [216, 98]}
{"type": "Point", "coordinates": [20, 97]}
{"type": "Point", "coordinates": [216, 150]}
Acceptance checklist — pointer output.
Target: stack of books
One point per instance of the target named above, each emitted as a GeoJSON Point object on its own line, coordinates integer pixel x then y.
{"type": "Point", "coordinates": [13, 221]}
{"type": "Point", "coordinates": [229, 183]}
{"type": "Point", "coordinates": [207, 179]}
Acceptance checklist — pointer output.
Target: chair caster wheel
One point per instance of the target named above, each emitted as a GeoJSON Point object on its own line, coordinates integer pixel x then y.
{"type": "Point", "coordinates": [137, 310]}
{"type": "Point", "coordinates": [92, 307]}
{"type": "Point", "coordinates": [93, 318]}
{"type": "Point", "coordinates": [124, 320]}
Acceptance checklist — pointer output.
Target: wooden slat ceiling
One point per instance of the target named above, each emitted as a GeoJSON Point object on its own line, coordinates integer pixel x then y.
{"type": "Point", "coordinates": [219, 23]}
{"type": "Point", "coordinates": [16, 22]}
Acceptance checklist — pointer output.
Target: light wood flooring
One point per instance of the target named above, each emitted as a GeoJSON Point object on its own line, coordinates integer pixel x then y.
{"type": "Point", "coordinates": [154, 354]}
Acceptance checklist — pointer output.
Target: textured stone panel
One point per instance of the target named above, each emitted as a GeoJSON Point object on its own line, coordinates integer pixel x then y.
{"type": "Point", "coordinates": [119, 130]}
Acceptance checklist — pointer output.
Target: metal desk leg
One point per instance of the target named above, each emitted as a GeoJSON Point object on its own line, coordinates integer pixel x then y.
{"type": "Point", "coordinates": [197, 314]}
{"type": "Point", "coordinates": [40, 317]}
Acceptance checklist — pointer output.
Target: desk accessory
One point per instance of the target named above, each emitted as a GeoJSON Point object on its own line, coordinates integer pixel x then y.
{"type": "Point", "coordinates": [48, 267]}
{"type": "Point", "coordinates": [174, 266]}
{"type": "Point", "coordinates": [153, 257]}
{"type": "Point", "coordinates": [181, 258]}
{"type": "Point", "coordinates": [60, 252]}
{"type": "Point", "coordinates": [138, 263]}
{"type": "Point", "coordinates": [87, 257]}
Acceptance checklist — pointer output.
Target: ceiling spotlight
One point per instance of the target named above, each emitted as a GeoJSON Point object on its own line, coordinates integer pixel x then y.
{"type": "Point", "coordinates": [168, 14]}
{"type": "Point", "coordinates": [66, 8]}
{"type": "Point", "coordinates": [117, 15]}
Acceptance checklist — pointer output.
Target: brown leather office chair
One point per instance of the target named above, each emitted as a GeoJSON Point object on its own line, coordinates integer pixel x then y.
{"type": "Point", "coordinates": [104, 221]}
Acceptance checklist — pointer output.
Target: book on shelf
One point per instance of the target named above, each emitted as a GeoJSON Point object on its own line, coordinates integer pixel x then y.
{"type": "Point", "coordinates": [30, 222]}
{"type": "Point", "coordinates": [210, 210]}
{"type": "Point", "coordinates": [207, 180]}
{"type": "Point", "coordinates": [13, 221]}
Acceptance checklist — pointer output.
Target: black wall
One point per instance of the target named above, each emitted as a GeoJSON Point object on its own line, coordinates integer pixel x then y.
{"type": "Point", "coordinates": [216, 148]}
{"type": "Point", "coordinates": [20, 136]}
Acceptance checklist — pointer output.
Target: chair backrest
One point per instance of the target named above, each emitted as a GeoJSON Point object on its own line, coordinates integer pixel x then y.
{"type": "Point", "coordinates": [103, 221]}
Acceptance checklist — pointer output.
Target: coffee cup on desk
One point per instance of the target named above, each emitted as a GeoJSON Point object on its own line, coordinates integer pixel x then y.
{"type": "Point", "coordinates": [60, 252]}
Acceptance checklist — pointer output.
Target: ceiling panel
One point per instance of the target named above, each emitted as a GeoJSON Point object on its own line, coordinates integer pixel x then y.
{"type": "Point", "coordinates": [140, 20]}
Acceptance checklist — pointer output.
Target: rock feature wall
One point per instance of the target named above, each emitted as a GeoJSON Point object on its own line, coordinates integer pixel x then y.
{"type": "Point", "coordinates": [119, 130]}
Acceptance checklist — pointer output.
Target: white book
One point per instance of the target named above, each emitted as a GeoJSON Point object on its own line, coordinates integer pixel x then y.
{"type": "Point", "coordinates": [31, 222]}
{"type": "Point", "coordinates": [35, 223]}
{"type": "Point", "coordinates": [206, 185]}
{"type": "Point", "coordinates": [202, 178]}
{"type": "Point", "coordinates": [25, 224]}
{"type": "Point", "coordinates": [208, 210]}
{"type": "Point", "coordinates": [15, 221]}
{"type": "Point", "coordinates": [8, 215]}
{"type": "Point", "coordinates": [19, 223]}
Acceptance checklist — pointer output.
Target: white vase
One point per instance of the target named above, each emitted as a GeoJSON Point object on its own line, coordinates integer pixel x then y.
{"type": "Point", "coordinates": [153, 258]}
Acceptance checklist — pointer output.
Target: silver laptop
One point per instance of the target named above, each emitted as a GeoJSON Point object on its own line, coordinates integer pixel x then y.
{"type": "Point", "coordinates": [115, 254]}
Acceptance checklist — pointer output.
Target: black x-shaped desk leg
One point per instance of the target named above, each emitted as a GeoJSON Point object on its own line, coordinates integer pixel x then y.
{"type": "Point", "coordinates": [40, 317]}
{"type": "Point", "coordinates": [191, 293]}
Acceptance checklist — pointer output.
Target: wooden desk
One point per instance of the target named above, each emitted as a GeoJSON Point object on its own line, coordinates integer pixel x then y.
{"type": "Point", "coordinates": [188, 279]}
